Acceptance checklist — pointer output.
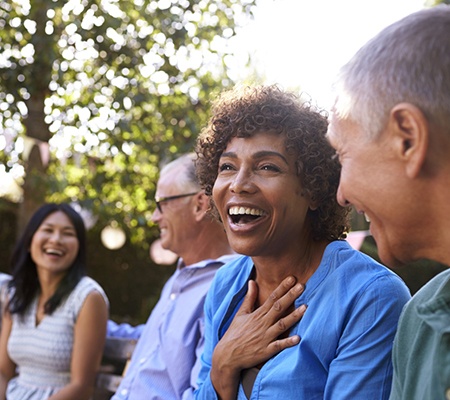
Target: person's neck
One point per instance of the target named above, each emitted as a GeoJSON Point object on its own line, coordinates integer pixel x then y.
{"type": "Point", "coordinates": [48, 282]}
{"type": "Point", "coordinates": [430, 237]}
{"type": "Point", "coordinates": [301, 264]}
{"type": "Point", "coordinates": [207, 247]}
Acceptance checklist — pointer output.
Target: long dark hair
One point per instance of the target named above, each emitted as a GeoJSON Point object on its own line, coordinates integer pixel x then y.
{"type": "Point", "coordinates": [25, 281]}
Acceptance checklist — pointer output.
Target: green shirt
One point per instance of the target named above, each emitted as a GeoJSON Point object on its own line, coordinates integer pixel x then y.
{"type": "Point", "coordinates": [421, 353]}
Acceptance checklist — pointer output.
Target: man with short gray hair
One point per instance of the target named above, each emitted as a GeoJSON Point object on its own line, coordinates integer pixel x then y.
{"type": "Point", "coordinates": [390, 126]}
{"type": "Point", "coordinates": [166, 361]}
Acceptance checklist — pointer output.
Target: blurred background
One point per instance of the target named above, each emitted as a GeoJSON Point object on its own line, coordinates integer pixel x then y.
{"type": "Point", "coordinates": [96, 94]}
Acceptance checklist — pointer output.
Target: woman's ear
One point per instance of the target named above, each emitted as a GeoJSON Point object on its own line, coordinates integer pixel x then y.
{"type": "Point", "coordinates": [410, 129]}
{"type": "Point", "coordinates": [313, 205]}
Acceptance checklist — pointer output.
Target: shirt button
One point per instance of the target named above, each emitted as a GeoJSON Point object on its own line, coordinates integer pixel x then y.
{"type": "Point", "coordinates": [124, 392]}
{"type": "Point", "coordinates": [142, 360]}
{"type": "Point", "coordinates": [447, 394]}
{"type": "Point", "coordinates": [173, 296]}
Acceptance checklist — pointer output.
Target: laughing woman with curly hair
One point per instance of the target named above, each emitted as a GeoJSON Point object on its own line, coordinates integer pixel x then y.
{"type": "Point", "coordinates": [301, 314]}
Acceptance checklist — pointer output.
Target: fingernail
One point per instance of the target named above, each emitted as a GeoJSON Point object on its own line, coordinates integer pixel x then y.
{"type": "Point", "coordinates": [290, 280]}
{"type": "Point", "coordinates": [299, 287]}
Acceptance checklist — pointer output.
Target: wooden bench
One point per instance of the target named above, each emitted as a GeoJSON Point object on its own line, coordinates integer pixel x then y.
{"type": "Point", "coordinates": [116, 355]}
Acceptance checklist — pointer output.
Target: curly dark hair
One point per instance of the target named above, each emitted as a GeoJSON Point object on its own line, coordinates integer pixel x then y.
{"type": "Point", "coordinates": [247, 111]}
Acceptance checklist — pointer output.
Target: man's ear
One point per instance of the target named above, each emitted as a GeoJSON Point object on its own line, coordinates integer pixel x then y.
{"type": "Point", "coordinates": [201, 205]}
{"type": "Point", "coordinates": [410, 128]}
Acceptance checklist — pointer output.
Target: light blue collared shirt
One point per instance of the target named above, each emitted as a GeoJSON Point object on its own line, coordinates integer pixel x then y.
{"type": "Point", "coordinates": [166, 361]}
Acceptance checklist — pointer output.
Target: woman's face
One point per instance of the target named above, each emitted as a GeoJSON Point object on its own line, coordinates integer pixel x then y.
{"type": "Point", "coordinates": [55, 245]}
{"type": "Point", "coordinates": [259, 196]}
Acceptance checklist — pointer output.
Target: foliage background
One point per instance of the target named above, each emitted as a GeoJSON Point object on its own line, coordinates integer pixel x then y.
{"type": "Point", "coordinates": [94, 96]}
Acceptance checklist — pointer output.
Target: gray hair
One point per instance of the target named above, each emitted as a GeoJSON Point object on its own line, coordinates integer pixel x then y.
{"type": "Point", "coordinates": [409, 61]}
{"type": "Point", "coordinates": [188, 178]}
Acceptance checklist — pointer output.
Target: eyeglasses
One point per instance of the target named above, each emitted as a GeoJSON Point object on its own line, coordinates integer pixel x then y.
{"type": "Point", "coordinates": [160, 200]}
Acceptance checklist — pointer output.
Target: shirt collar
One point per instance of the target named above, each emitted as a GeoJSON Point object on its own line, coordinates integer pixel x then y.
{"type": "Point", "coordinates": [436, 311]}
{"type": "Point", "coordinates": [204, 263]}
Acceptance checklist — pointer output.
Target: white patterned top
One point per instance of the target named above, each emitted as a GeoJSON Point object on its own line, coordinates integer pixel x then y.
{"type": "Point", "coordinates": [4, 279]}
{"type": "Point", "coordinates": [43, 352]}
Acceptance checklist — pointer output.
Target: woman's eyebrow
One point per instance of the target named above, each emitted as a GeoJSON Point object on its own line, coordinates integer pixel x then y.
{"type": "Point", "coordinates": [229, 154]}
{"type": "Point", "coordinates": [270, 153]}
{"type": "Point", "coordinates": [51, 225]}
{"type": "Point", "coordinates": [258, 155]}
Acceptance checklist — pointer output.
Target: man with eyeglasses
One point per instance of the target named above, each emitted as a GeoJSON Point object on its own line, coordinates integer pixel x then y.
{"type": "Point", "coordinates": [166, 360]}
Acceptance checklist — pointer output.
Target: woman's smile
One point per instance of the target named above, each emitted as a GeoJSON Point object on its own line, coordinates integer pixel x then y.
{"type": "Point", "coordinates": [258, 194]}
{"type": "Point", "coordinates": [244, 215]}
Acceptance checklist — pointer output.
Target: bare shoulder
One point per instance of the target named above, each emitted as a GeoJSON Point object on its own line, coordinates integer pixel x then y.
{"type": "Point", "coordinates": [94, 300]}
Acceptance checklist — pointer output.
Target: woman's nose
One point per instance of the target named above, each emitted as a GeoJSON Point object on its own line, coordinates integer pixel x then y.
{"type": "Point", "coordinates": [242, 182]}
{"type": "Point", "coordinates": [56, 236]}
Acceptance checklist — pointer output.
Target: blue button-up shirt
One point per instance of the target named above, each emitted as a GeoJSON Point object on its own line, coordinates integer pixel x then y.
{"type": "Point", "coordinates": [166, 360]}
{"type": "Point", "coordinates": [347, 332]}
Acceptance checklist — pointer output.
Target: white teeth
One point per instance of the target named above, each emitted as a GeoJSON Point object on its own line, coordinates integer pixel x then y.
{"type": "Point", "coordinates": [366, 217]}
{"type": "Point", "coordinates": [54, 251]}
{"type": "Point", "coordinates": [244, 211]}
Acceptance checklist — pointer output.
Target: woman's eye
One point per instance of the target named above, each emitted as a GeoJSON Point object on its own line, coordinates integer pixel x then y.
{"type": "Point", "coordinates": [225, 167]}
{"type": "Point", "coordinates": [270, 167]}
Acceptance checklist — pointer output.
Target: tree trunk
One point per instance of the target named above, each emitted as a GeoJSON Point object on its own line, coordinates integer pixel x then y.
{"type": "Point", "coordinates": [35, 185]}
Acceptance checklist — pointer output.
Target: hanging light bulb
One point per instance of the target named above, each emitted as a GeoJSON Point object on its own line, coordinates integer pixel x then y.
{"type": "Point", "coordinates": [112, 236]}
